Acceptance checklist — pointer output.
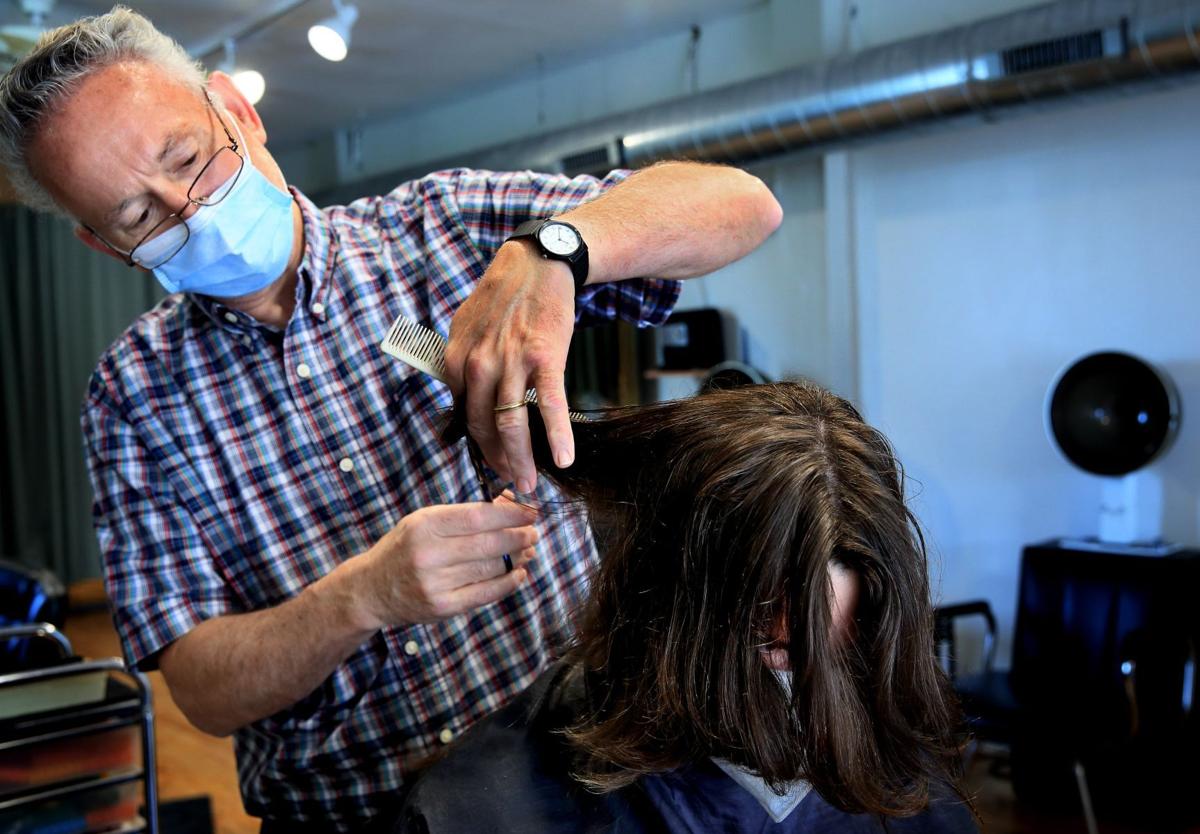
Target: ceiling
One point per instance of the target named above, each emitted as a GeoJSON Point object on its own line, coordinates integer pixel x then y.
{"type": "Point", "coordinates": [404, 53]}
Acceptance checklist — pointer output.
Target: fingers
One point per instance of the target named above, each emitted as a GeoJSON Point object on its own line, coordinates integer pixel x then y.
{"type": "Point", "coordinates": [512, 331]}
{"type": "Point", "coordinates": [474, 584]}
{"type": "Point", "coordinates": [552, 403]}
{"type": "Point", "coordinates": [481, 379]}
{"type": "Point", "coordinates": [510, 497]}
{"type": "Point", "coordinates": [477, 517]}
{"type": "Point", "coordinates": [410, 575]}
{"type": "Point", "coordinates": [488, 546]}
{"type": "Point", "coordinates": [479, 594]}
{"type": "Point", "coordinates": [481, 570]}
{"type": "Point", "coordinates": [546, 371]}
{"type": "Point", "coordinates": [512, 427]}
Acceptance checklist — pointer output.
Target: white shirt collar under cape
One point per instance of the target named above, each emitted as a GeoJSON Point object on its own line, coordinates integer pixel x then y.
{"type": "Point", "coordinates": [777, 806]}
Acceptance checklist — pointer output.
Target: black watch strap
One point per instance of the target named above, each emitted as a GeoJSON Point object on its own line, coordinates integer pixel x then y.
{"type": "Point", "coordinates": [578, 261]}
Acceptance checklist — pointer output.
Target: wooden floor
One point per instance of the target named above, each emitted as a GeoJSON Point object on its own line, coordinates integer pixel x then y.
{"type": "Point", "coordinates": [191, 763]}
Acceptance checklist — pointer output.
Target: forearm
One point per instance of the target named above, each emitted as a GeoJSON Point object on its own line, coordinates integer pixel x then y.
{"type": "Point", "coordinates": [675, 220]}
{"type": "Point", "coordinates": [233, 670]}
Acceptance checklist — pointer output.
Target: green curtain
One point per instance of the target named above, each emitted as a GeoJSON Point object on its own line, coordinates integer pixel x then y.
{"type": "Point", "coordinates": [61, 304]}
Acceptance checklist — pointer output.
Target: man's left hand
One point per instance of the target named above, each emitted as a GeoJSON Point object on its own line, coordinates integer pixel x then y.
{"type": "Point", "coordinates": [510, 335]}
{"type": "Point", "coordinates": [672, 220]}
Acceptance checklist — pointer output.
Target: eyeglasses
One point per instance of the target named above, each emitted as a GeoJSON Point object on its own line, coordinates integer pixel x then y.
{"type": "Point", "coordinates": [170, 234]}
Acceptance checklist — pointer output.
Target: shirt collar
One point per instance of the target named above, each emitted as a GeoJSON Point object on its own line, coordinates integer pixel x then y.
{"type": "Point", "coordinates": [776, 805]}
{"type": "Point", "coordinates": [319, 248]}
{"type": "Point", "coordinates": [312, 279]}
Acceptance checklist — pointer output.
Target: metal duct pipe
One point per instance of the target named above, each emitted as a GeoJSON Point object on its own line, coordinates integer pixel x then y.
{"type": "Point", "coordinates": [1044, 52]}
{"type": "Point", "coordinates": [1063, 48]}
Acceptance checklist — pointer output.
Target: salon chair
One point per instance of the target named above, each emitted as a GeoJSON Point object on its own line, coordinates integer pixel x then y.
{"type": "Point", "coordinates": [986, 695]}
{"type": "Point", "coordinates": [1101, 694]}
{"type": "Point", "coordinates": [28, 595]}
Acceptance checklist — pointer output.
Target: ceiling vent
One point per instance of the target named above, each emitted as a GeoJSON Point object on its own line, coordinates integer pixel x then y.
{"type": "Point", "coordinates": [598, 160]}
{"type": "Point", "coordinates": [1061, 52]}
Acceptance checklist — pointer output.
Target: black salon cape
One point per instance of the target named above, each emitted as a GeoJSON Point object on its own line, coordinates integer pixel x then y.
{"type": "Point", "coordinates": [510, 774]}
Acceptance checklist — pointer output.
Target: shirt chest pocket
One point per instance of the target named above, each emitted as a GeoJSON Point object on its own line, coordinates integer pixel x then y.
{"type": "Point", "coordinates": [424, 468]}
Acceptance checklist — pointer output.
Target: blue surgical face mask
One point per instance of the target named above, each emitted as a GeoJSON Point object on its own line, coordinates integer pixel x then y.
{"type": "Point", "coordinates": [236, 247]}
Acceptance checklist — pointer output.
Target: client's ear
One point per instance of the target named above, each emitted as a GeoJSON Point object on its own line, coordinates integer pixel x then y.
{"type": "Point", "coordinates": [775, 654]}
{"type": "Point", "coordinates": [846, 588]}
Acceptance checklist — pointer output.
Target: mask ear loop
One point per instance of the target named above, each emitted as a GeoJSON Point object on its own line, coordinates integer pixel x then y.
{"type": "Point", "coordinates": [242, 148]}
{"type": "Point", "coordinates": [241, 140]}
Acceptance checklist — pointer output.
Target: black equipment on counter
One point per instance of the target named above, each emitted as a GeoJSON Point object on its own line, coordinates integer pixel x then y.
{"type": "Point", "coordinates": [1111, 413]}
{"type": "Point", "coordinates": [697, 340]}
{"type": "Point", "coordinates": [1104, 674]}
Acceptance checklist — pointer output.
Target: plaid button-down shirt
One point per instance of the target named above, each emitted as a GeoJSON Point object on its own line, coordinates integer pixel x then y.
{"type": "Point", "coordinates": [233, 465]}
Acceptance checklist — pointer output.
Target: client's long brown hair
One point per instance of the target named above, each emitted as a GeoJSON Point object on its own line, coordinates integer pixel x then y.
{"type": "Point", "coordinates": [717, 519]}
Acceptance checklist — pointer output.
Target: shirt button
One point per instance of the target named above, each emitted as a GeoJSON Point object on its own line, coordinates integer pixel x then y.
{"type": "Point", "coordinates": [445, 736]}
{"type": "Point", "coordinates": [346, 465]}
{"type": "Point", "coordinates": [303, 371]}
{"type": "Point", "coordinates": [411, 647]}
{"type": "Point", "coordinates": [317, 308]}
{"type": "Point", "coordinates": [231, 318]}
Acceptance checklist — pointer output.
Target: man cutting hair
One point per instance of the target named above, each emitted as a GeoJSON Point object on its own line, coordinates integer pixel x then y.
{"type": "Point", "coordinates": [283, 533]}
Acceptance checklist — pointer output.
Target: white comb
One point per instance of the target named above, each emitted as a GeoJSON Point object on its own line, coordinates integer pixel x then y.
{"type": "Point", "coordinates": [419, 347]}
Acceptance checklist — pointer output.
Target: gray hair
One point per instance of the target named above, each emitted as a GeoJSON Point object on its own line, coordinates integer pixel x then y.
{"type": "Point", "coordinates": [62, 58]}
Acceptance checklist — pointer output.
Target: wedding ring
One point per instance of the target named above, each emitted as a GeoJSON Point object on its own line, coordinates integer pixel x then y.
{"type": "Point", "coordinates": [510, 406]}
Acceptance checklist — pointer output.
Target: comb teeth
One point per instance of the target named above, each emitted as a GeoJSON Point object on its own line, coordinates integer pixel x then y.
{"type": "Point", "coordinates": [419, 347]}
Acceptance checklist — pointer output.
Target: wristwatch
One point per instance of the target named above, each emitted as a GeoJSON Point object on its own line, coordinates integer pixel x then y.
{"type": "Point", "coordinates": [558, 241]}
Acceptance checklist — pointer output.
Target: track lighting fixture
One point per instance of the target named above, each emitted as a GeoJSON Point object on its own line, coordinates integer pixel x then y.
{"type": "Point", "coordinates": [331, 37]}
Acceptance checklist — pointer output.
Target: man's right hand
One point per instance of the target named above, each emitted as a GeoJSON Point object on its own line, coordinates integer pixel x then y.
{"type": "Point", "coordinates": [445, 560]}
{"type": "Point", "coordinates": [437, 562]}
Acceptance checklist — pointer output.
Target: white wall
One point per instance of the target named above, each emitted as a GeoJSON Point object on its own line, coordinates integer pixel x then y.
{"type": "Point", "coordinates": [987, 259]}
{"type": "Point", "coordinates": [873, 22]}
{"type": "Point", "coordinates": [779, 293]}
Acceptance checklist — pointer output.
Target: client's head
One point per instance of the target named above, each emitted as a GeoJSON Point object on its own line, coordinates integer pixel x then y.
{"type": "Point", "coordinates": [744, 532]}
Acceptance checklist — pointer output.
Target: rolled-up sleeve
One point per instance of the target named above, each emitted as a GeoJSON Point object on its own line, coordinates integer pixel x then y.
{"type": "Point", "coordinates": [161, 579]}
{"type": "Point", "coordinates": [492, 205]}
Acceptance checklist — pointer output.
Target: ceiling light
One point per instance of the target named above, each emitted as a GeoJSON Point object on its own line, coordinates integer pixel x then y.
{"type": "Point", "coordinates": [331, 37]}
{"type": "Point", "coordinates": [250, 83]}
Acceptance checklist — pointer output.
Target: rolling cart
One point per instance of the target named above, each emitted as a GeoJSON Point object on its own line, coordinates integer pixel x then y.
{"type": "Point", "coordinates": [70, 734]}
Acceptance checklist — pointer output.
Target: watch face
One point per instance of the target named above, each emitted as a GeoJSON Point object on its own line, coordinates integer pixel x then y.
{"type": "Point", "coordinates": [559, 239]}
